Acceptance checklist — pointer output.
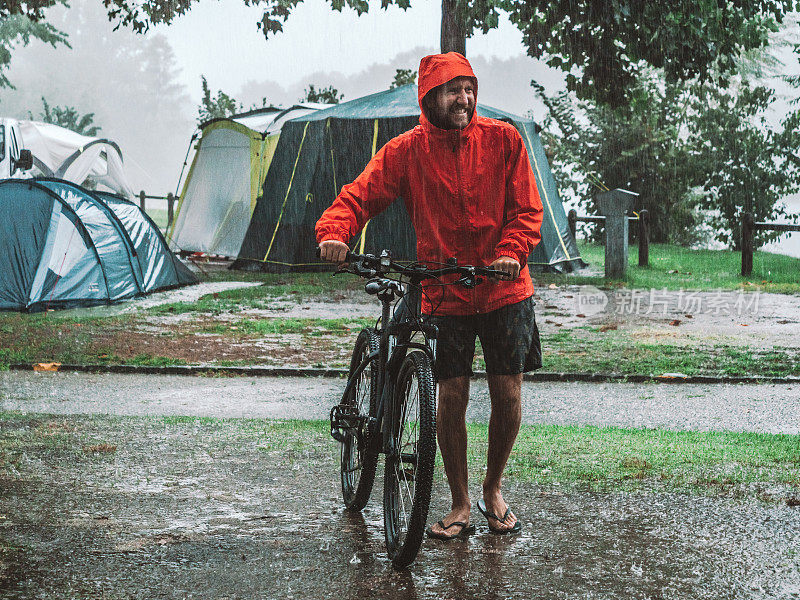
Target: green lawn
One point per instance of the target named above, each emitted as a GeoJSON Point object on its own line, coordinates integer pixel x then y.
{"type": "Point", "coordinates": [674, 268]}
{"type": "Point", "coordinates": [582, 457]}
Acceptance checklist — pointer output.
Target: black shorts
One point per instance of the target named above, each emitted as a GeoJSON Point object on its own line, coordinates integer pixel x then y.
{"type": "Point", "coordinates": [509, 337]}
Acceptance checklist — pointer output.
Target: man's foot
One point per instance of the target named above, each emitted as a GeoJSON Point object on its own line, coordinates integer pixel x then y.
{"type": "Point", "coordinates": [446, 527]}
{"type": "Point", "coordinates": [456, 530]}
{"type": "Point", "coordinates": [498, 514]}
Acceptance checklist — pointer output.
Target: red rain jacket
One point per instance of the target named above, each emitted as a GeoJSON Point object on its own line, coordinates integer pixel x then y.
{"type": "Point", "coordinates": [470, 194]}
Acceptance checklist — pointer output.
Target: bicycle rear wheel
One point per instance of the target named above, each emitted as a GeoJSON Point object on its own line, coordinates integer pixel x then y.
{"type": "Point", "coordinates": [409, 468]}
{"type": "Point", "coordinates": [358, 458]}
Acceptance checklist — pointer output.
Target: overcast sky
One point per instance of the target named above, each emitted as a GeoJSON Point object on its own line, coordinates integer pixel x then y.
{"type": "Point", "coordinates": [221, 40]}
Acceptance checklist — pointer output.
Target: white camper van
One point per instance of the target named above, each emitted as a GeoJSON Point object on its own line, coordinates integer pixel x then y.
{"type": "Point", "coordinates": [15, 160]}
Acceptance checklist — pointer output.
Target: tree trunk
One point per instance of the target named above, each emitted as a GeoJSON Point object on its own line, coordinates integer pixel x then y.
{"type": "Point", "coordinates": [454, 27]}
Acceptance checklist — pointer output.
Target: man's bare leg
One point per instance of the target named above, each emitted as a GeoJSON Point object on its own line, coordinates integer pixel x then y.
{"type": "Point", "coordinates": [505, 393]}
{"type": "Point", "coordinates": [451, 431]}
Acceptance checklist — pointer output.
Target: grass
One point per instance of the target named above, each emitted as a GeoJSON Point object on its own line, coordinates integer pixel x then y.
{"type": "Point", "coordinates": [159, 216]}
{"type": "Point", "coordinates": [610, 456]}
{"type": "Point", "coordinates": [589, 351]}
{"type": "Point", "coordinates": [583, 457]}
{"type": "Point", "coordinates": [675, 268]}
{"type": "Point", "coordinates": [280, 326]}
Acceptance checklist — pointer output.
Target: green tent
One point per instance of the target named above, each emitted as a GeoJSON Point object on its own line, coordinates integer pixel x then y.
{"type": "Point", "coordinates": [319, 152]}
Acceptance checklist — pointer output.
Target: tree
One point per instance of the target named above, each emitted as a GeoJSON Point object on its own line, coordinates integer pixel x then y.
{"type": "Point", "coordinates": [220, 106]}
{"type": "Point", "coordinates": [601, 46]}
{"type": "Point", "coordinates": [69, 118]}
{"type": "Point", "coordinates": [130, 82]}
{"type": "Point", "coordinates": [743, 165]}
{"type": "Point", "coordinates": [403, 77]}
{"type": "Point", "coordinates": [327, 95]}
{"type": "Point", "coordinates": [697, 153]}
{"type": "Point", "coordinates": [17, 29]}
{"type": "Point", "coordinates": [635, 147]}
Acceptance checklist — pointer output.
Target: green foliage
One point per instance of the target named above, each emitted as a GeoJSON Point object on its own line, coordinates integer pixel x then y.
{"type": "Point", "coordinates": [17, 29]}
{"type": "Point", "coordinates": [68, 117]}
{"type": "Point", "coordinates": [326, 95]}
{"type": "Point", "coordinates": [601, 46]}
{"type": "Point", "coordinates": [741, 164]}
{"type": "Point", "coordinates": [220, 106]}
{"type": "Point", "coordinates": [697, 153]}
{"type": "Point", "coordinates": [634, 147]}
{"type": "Point", "coordinates": [403, 77]}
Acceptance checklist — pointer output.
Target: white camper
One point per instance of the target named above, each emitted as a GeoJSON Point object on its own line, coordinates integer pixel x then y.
{"type": "Point", "coordinates": [15, 159]}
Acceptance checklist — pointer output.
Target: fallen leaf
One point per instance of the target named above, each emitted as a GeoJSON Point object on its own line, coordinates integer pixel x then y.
{"type": "Point", "coordinates": [53, 366]}
{"type": "Point", "coordinates": [783, 322]}
{"type": "Point", "coordinates": [675, 322]}
{"type": "Point", "coordinates": [688, 316]}
{"type": "Point", "coordinates": [744, 325]}
{"type": "Point", "coordinates": [569, 296]}
{"type": "Point", "coordinates": [610, 327]}
{"type": "Point", "coordinates": [673, 376]}
{"type": "Point", "coordinates": [581, 315]}
{"type": "Point", "coordinates": [553, 286]}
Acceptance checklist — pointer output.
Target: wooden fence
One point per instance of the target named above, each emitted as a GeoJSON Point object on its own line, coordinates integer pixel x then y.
{"type": "Point", "coordinates": [643, 231]}
{"type": "Point", "coordinates": [170, 198]}
{"type": "Point", "coordinates": [749, 227]}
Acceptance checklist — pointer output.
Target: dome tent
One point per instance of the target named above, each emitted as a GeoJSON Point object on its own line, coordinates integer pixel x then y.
{"type": "Point", "coordinates": [59, 152]}
{"type": "Point", "coordinates": [67, 247]}
{"type": "Point", "coordinates": [319, 152]}
{"type": "Point", "coordinates": [223, 184]}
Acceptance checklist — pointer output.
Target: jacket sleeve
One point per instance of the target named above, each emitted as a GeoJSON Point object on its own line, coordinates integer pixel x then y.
{"type": "Point", "coordinates": [371, 193]}
{"type": "Point", "coordinates": [522, 219]}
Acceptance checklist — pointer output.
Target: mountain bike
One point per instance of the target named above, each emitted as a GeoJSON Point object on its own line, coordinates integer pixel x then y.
{"type": "Point", "coordinates": [389, 403]}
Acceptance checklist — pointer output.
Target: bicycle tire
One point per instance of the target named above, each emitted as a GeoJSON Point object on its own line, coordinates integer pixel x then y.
{"type": "Point", "coordinates": [409, 471]}
{"type": "Point", "coordinates": [359, 460]}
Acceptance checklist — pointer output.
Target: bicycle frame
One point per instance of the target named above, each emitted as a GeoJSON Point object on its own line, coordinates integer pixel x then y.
{"type": "Point", "coordinates": [394, 342]}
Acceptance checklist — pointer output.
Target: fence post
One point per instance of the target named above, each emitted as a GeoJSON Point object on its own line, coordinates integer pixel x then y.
{"type": "Point", "coordinates": [644, 239]}
{"type": "Point", "coordinates": [141, 200]}
{"type": "Point", "coordinates": [572, 220]}
{"type": "Point", "coordinates": [170, 201]}
{"type": "Point", "coordinates": [747, 244]}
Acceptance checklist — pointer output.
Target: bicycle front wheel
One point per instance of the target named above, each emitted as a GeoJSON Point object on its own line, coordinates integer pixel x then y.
{"type": "Point", "coordinates": [409, 466]}
{"type": "Point", "coordinates": [359, 458]}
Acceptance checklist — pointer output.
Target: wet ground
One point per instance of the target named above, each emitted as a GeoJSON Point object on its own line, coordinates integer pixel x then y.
{"type": "Point", "coordinates": [189, 509]}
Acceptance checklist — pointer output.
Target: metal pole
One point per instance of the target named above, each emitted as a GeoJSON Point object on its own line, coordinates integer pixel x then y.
{"type": "Point", "coordinates": [170, 201]}
{"type": "Point", "coordinates": [142, 196]}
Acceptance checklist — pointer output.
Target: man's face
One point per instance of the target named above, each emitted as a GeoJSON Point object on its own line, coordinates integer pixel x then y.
{"type": "Point", "coordinates": [451, 104]}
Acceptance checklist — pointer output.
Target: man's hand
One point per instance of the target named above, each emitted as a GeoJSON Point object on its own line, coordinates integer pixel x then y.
{"type": "Point", "coordinates": [508, 265]}
{"type": "Point", "coordinates": [333, 251]}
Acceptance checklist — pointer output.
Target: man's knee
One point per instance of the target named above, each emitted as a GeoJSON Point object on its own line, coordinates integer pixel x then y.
{"type": "Point", "coordinates": [505, 390]}
{"type": "Point", "coordinates": [454, 394]}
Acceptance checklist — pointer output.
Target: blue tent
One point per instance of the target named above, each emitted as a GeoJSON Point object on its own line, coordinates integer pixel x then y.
{"type": "Point", "coordinates": [319, 152]}
{"type": "Point", "coordinates": [63, 246]}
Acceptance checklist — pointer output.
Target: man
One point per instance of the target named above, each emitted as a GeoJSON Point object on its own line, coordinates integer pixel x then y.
{"type": "Point", "coordinates": [469, 190]}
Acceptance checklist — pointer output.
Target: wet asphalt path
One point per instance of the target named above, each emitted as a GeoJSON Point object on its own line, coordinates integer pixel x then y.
{"type": "Point", "coordinates": [764, 408]}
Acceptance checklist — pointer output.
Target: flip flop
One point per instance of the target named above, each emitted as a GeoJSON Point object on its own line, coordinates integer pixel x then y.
{"type": "Point", "coordinates": [463, 533]}
{"type": "Point", "coordinates": [490, 515]}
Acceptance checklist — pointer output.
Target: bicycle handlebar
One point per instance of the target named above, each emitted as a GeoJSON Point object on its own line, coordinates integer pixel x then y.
{"type": "Point", "coordinates": [369, 265]}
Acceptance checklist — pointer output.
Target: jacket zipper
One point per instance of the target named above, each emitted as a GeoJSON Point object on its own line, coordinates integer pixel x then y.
{"type": "Point", "coordinates": [457, 145]}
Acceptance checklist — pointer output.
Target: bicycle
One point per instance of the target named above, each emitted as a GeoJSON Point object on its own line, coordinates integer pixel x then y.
{"type": "Point", "coordinates": [389, 403]}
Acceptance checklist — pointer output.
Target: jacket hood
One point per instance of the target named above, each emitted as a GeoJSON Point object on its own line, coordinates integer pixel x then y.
{"type": "Point", "coordinates": [437, 69]}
